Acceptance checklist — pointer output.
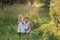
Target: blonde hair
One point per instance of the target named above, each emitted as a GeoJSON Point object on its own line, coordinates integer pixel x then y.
{"type": "Point", "coordinates": [20, 15]}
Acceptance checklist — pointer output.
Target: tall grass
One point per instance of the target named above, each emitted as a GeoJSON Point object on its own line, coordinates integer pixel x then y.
{"type": "Point", "coordinates": [41, 27]}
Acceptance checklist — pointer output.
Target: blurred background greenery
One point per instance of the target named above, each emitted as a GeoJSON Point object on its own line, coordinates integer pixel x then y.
{"type": "Point", "coordinates": [44, 17]}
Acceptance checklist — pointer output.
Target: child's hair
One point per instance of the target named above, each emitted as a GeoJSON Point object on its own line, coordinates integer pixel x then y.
{"type": "Point", "coordinates": [27, 17]}
{"type": "Point", "coordinates": [20, 16]}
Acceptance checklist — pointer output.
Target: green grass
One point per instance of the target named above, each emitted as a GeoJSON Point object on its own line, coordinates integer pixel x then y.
{"type": "Point", "coordinates": [41, 27]}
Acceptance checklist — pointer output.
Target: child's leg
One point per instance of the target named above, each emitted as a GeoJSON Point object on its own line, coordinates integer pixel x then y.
{"type": "Point", "coordinates": [21, 36]}
{"type": "Point", "coordinates": [27, 36]}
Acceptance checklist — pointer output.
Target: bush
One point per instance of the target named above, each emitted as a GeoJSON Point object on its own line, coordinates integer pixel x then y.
{"type": "Point", "coordinates": [54, 11]}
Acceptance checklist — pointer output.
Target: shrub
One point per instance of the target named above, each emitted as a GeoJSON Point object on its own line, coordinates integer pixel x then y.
{"type": "Point", "coordinates": [55, 11]}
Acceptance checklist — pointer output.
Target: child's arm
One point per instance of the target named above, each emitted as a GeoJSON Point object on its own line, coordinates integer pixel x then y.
{"type": "Point", "coordinates": [28, 26]}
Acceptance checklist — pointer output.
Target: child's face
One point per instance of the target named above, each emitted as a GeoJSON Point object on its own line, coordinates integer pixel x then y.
{"type": "Point", "coordinates": [26, 20]}
{"type": "Point", "coordinates": [20, 18]}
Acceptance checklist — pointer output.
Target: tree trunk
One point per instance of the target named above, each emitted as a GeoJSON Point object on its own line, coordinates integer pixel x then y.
{"type": "Point", "coordinates": [31, 1]}
{"type": "Point", "coordinates": [57, 22]}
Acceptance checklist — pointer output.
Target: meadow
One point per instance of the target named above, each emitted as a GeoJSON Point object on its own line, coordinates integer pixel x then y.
{"type": "Point", "coordinates": [42, 27]}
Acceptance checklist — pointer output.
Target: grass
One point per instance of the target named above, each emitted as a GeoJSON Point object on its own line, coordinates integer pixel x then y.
{"type": "Point", "coordinates": [41, 26]}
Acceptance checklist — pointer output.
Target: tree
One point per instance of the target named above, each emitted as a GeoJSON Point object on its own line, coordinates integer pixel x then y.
{"type": "Point", "coordinates": [6, 2]}
{"type": "Point", "coordinates": [31, 1]}
{"type": "Point", "coordinates": [10, 2]}
{"type": "Point", "coordinates": [46, 2]}
{"type": "Point", "coordinates": [55, 11]}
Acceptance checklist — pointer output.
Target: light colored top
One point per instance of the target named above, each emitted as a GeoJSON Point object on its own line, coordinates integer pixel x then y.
{"type": "Point", "coordinates": [27, 26]}
{"type": "Point", "coordinates": [21, 28]}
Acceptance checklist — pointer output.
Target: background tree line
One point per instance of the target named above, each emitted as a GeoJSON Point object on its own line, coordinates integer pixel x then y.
{"type": "Point", "coordinates": [52, 4]}
{"type": "Point", "coordinates": [10, 2]}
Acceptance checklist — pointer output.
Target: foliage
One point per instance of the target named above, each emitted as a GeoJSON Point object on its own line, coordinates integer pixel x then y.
{"type": "Point", "coordinates": [54, 11]}
{"type": "Point", "coordinates": [42, 27]}
{"type": "Point", "coordinates": [46, 2]}
{"type": "Point", "coordinates": [11, 2]}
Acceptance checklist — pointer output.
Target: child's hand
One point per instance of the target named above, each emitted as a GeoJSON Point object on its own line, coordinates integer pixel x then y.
{"type": "Point", "coordinates": [26, 29]}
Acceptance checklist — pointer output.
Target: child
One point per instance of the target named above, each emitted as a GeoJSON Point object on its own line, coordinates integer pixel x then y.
{"type": "Point", "coordinates": [20, 25]}
{"type": "Point", "coordinates": [27, 24]}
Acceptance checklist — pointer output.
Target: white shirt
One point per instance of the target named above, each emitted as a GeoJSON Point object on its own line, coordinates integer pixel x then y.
{"type": "Point", "coordinates": [26, 27]}
{"type": "Point", "coordinates": [21, 28]}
